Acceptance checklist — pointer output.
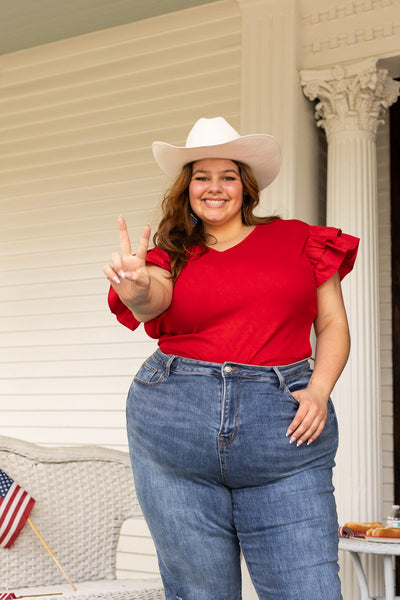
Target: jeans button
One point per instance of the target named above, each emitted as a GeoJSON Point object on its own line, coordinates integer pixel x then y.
{"type": "Point", "coordinates": [228, 369]}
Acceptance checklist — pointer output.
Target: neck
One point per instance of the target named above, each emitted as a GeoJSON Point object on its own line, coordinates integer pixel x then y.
{"type": "Point", "coordinates": [228, 236]}
{"type": "Point", "coordinates": [224, 232]}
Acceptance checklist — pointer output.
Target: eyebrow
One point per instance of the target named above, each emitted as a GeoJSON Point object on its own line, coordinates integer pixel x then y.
{"type": "Point", "coordinates": [224, 171]}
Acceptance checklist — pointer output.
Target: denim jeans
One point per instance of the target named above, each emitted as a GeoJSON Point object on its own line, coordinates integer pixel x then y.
{"type": "Point", "coordinates": [216, 474]}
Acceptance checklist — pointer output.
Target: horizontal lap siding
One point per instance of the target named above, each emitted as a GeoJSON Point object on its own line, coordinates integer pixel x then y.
{"type": "Point", "coordinates": [77, 119]}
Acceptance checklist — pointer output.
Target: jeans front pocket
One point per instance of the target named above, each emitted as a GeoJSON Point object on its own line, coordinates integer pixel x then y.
{"type": "Point", "coordinates": [150, 373]}
{"type": "Point", "coordinates": [290, 396]}
{"type": "Point", "coordinates": [294, 383]}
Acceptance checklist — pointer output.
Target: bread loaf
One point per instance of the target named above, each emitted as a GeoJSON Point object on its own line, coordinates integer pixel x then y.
{"type": "Point", "coordinates": [363, 527]}
{"type": "Point", "coordinates": [391, 532]}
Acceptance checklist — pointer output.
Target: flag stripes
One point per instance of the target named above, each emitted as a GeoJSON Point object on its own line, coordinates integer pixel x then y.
{"type": "Point", "coordinates": [15, 507]}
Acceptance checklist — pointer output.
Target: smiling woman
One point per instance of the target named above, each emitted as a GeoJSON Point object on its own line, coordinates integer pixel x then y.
{"type": "Point", "coordinates": [232, 434]}
{"type": "Point", "coordinates": [216, 197]}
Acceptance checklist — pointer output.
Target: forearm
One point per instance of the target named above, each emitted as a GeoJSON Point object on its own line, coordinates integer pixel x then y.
{"type": "Point", "coordinates": [331, 354]}
{"type": "Point", "coordinates": [152, 304]}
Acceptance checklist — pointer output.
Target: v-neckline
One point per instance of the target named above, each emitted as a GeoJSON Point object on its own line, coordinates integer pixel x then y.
{"type": "Point", "coordinates": [235, 245]}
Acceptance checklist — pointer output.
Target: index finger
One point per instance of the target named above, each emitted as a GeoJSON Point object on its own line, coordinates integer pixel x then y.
{"type": "Point", "coordinates": [124, 240]}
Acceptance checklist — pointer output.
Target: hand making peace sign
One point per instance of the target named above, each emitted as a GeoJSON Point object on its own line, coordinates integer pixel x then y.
{"type": "Point", "coordinates": [146, 290]}
{"type": "Point", "coordinates": [128, 273]}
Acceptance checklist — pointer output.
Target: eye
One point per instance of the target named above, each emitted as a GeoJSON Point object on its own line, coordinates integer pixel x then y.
{"type": "Point", "coordinates": [200, 178]}
{"type": "Point", "coordinates": [229, 178]}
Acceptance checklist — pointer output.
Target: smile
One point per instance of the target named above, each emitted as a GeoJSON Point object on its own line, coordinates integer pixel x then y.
{"type": "Point", "coordinates": [214, 203]}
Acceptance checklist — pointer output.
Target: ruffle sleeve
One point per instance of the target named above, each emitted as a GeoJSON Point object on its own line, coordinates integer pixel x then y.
{"type": "Point", "coordinates": [155, 256]}
{"type": "Point", "coordinates": [329, 250]}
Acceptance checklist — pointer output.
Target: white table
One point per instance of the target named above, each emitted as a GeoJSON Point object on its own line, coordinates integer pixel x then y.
{"type": "Point", "coordinates": [387, 550]}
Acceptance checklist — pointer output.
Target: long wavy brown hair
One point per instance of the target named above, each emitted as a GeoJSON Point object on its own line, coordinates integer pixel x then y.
{"type": "Point", "coordinates": [180, 236]}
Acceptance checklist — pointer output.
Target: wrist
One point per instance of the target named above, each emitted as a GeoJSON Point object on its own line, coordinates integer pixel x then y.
{"type": "Point", "coordinates": [139, 304]}
{"type": "Point", "coordinates": [321, 389]}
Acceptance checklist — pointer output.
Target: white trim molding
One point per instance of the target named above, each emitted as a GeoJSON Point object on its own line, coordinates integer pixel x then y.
{"type": "Point", "coordinates": [354, 29]}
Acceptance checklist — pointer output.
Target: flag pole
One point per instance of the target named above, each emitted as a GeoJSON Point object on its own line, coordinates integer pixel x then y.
{"type": "Point", "coordinates": [37, 595]}
{"type": "Point", "coordinates": [52, 555]}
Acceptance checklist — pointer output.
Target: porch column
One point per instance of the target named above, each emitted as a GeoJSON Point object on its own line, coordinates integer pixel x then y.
{"type": "Point", "coordinates": [272, 102]}
{"type": "Point", "coordinates": [352, 99]}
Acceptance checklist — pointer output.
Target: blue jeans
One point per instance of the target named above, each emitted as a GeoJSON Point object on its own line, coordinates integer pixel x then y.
{"type": "Point", "coordinates": [215, 474]}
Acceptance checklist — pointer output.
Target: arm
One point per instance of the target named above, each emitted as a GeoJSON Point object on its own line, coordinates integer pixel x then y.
{"type": "Point", "coordinates": [145, 290]}
{"type": "Point", "coordinates": [332, 351]}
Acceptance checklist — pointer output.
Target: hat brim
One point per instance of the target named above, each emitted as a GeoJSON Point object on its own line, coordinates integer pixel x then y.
{"type": "Point", "coordinates": [261, 152]}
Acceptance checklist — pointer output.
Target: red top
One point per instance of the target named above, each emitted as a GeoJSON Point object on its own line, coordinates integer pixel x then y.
{"type": "Point", "coordinates": [254, 303]}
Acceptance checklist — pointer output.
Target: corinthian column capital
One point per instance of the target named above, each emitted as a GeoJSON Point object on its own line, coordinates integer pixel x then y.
{"type": "Point", "coordinates": [351, 96]}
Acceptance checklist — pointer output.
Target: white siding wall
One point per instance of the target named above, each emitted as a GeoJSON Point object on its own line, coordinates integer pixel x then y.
{"type": "Point", "coordinates": [77, 119]}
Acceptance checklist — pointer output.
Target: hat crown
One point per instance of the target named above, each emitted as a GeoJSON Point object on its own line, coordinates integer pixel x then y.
{"type": "Point", "coordinates": [211, 132]}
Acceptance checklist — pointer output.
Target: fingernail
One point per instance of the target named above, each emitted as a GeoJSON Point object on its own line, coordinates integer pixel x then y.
{"type": "Point", "coordinates": [299, 443]}
{"type": "Point", "coordinates": [289, 431]}
{"type": "Point", "coordinates": [122, 274]}
{"type": "Point", "coordinates": [116, 279]}
{"type": "Point", "coordinates": [292, 439]}
{"type": "Point", "coordinates": [309, 442]}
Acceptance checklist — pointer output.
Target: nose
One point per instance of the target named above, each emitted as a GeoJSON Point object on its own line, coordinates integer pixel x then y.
{"type": "Point", "coordinates": [214, 184]}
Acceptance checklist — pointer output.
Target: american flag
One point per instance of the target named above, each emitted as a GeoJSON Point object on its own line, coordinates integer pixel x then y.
{"type": "Point", "coordinates": [7, 596]}
{"type": "Point", "coordinates": [15, 508]}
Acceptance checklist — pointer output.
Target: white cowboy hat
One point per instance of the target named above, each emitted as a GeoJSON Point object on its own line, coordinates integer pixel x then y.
{"type": "Point", "coordinates": [215, 138]}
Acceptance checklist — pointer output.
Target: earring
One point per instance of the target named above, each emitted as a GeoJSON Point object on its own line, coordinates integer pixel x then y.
{"type": "Point", "coordinates": [194, 219]}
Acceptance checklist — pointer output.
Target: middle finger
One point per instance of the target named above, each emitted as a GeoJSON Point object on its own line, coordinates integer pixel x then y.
{"type": "Point", "coordinates": [312, 431]}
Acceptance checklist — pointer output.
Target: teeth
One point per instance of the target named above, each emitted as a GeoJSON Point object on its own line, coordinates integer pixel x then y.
{"type": "Point", "coordinates": [215, 202]}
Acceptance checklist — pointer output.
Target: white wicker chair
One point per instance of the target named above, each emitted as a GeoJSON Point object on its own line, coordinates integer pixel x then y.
{"type": "Point", "coordinates": [83, 495]}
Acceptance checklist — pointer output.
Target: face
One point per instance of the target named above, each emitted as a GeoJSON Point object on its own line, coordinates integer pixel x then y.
{"type": "Point", "coordinates": [216, 192]}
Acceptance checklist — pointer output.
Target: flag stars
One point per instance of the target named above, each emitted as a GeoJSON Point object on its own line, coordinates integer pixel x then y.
{"type": "Point", "coordinates": [5, 483]}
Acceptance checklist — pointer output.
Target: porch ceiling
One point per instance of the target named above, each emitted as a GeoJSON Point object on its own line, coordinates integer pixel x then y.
{"type": "Point", "coordinates": [28, 23]}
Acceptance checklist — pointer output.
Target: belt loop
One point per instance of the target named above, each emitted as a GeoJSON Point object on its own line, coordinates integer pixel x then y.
{"type": "Point", "coordinates": [280, 377]}
{"type": "Point", "coordinates": [168, 365]}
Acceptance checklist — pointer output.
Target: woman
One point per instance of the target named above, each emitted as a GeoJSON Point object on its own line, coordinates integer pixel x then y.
{"type": "Point", "coordinates": [232, 435]}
